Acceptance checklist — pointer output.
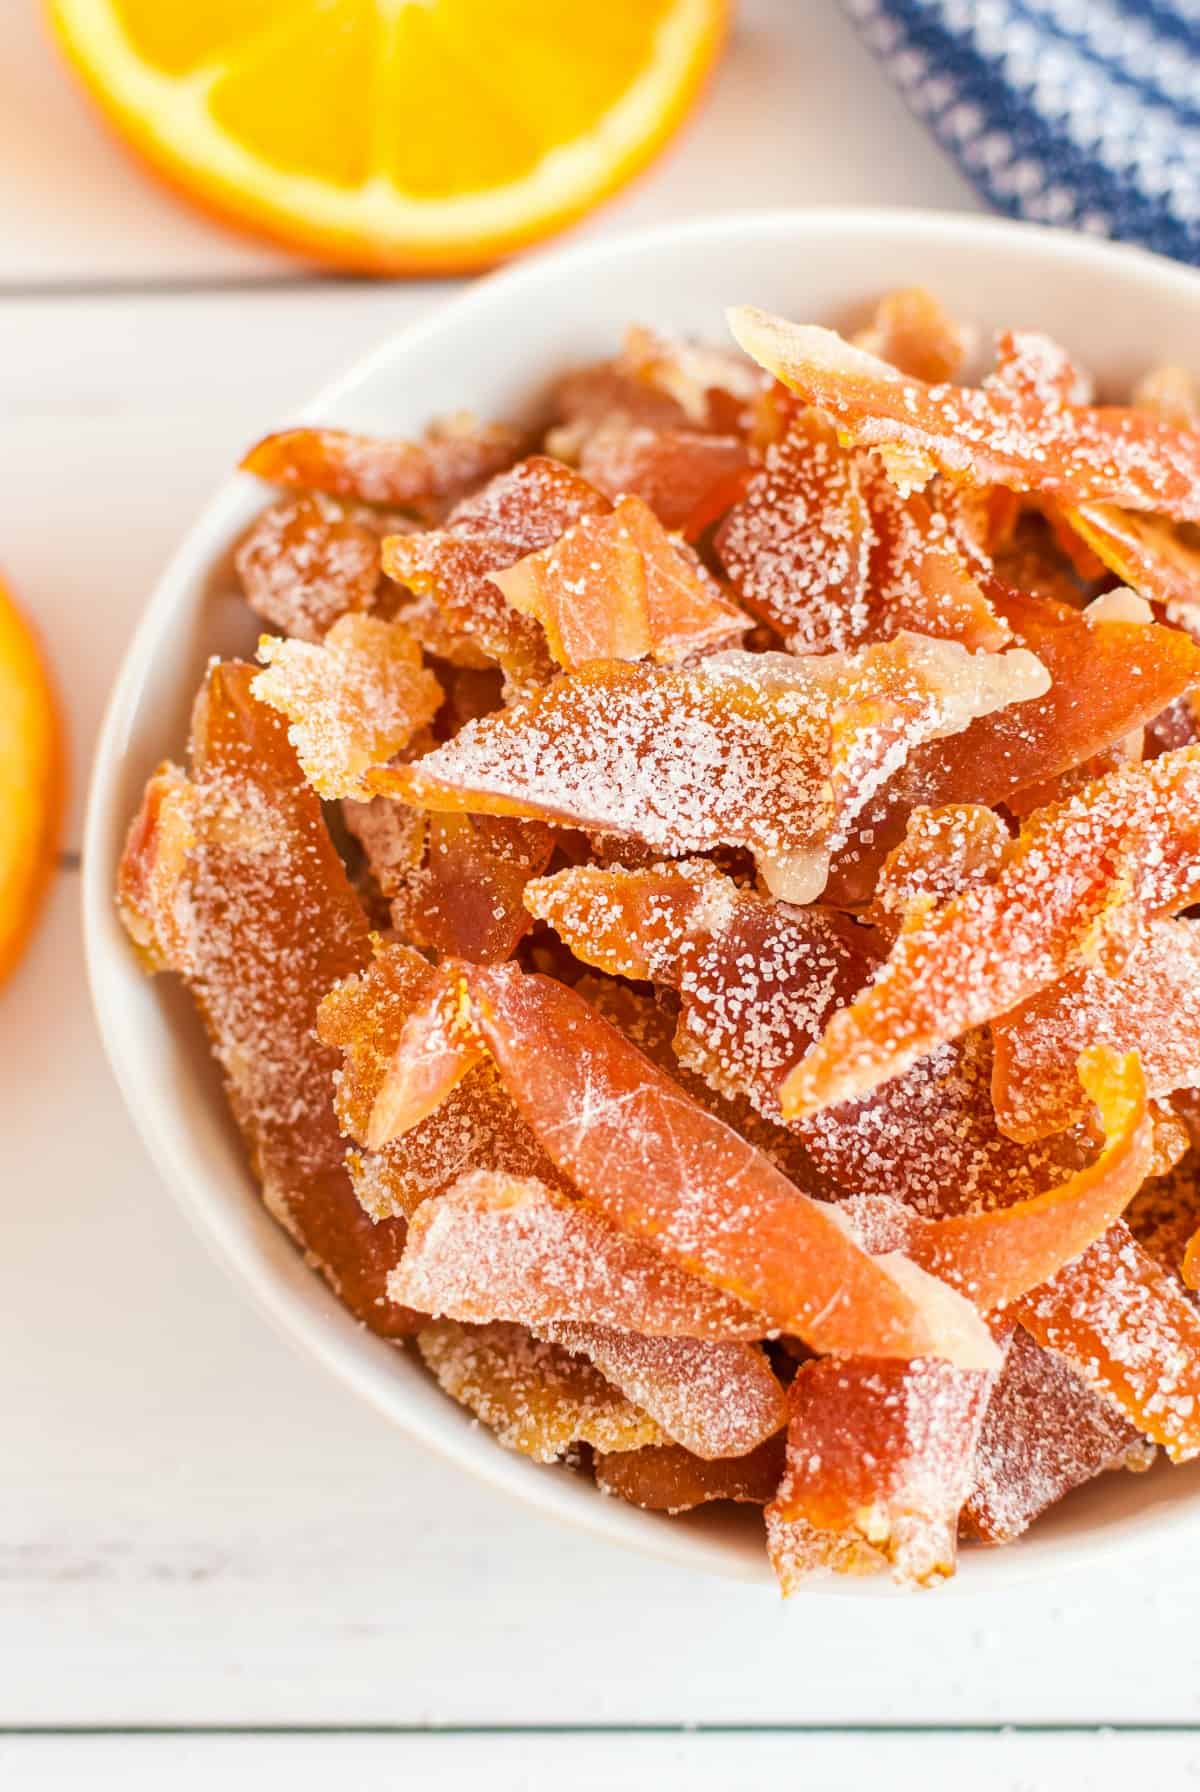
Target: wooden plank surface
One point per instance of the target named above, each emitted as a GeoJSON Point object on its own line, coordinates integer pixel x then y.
{"type": "Point", "coordinates": [700, 1763]}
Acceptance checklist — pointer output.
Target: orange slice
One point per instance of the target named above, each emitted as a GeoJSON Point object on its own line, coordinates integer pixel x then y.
{"type": "Point", "coordinates": [395, 136]}
{"type": "Point", "coordinates": [31, 780]}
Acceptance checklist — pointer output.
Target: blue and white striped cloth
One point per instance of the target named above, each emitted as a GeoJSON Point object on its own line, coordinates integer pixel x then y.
{"type": "Point", "coordinates": [1077, 112]}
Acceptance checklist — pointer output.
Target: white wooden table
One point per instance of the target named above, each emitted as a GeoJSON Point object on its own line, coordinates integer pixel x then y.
{"type": "Point", "coordinates": [214, 1568]}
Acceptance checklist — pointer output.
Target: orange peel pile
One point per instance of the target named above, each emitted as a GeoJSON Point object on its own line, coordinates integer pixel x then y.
{"type": "Point", "coordinates": [694, 916]}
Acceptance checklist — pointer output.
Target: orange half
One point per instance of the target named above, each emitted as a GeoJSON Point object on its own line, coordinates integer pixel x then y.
{"type": "Point", "coordinates": [31, 781]}
{"type": "Point", "coordinates": [395, 136]}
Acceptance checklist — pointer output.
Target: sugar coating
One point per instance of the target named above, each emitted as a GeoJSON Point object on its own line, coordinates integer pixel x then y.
{"type": "Point", "coordinates": [453, 455]}
{"type": "Point", "coordinates": [765, 751]}
{"type": "Point", "coordinates": [477, 1126]}
{"type": "Point", "coordinates": [262, 921]}
{"type": "Point", "coordinates": [1044, 1432]}
{"type": "Point", "coordinates": [715, 1398]}
{"type": "Point", "coordinates": [1078, 881]}
{"type": "Point", "coordinates": [826, 549]}
{"type": "Point", "coordinates": [758, 983]}
{"type": "Point", "coordinates": [880, 1458]}
{"type": "Point", "coordinates": [519, 512]}
{"type": "Point", "coordinates": [618, 586]}
{"type": "Point", "coordinates": [497, 1247]}
{"type": "Point", "coordinates": [352, 702]}
{"type": "Point", "coordinates": [1149, 1004]}
{"type": "Point", "coordinates": [664, 1170]}
{"type": "Point", "coordinates": [986, 435]}
{"type": "Point", "coordinates": [674, 470]}
{"type": "Point", "coordinates": [304, 562]}
{"type": "Point", "coordinates": [536, 1397]}
{"type": "Point", "coordinates": [1131, 1330]}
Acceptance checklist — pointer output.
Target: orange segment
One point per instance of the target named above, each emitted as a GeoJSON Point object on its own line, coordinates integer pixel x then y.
{"type": "Point", "coordinates": [315, 122]}
{"type": "Point", "coordinates": [31, 780]}
{"type": "Point", "coordinates": [178, 39]}
{"type": "Point", "coordinates": [395, 135]}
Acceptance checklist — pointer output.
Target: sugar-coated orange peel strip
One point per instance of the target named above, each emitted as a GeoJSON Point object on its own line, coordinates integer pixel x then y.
{"type": "Point", "coordinates": [758, 980]}
{"type": "Point", "coordinates": [911, 330]}
{"type": "Point", "coordinates": [1123, 851]}
{"type": "Point", "coordinates": [1132, 1330]}
{"type": "Point", "coordinates": [376, 470]}
{"type": "Point", "coordinates": [230, 879]}
{"type": "Point", "coordinates": [879, 1463]}
{"type": "Point", "coordinates": [529, 505]}
{"type": "Point", "coordinates": [716, 1397]}
{"type": "Point", "coordinates": [466, 899]}
{"type": "Point", "coordinates": [995, 1258]}
{"type": "Point", "coordinates": [1146, 554]}
{"type": "Point", "coordinates": [637, 924]}
{"type": "Point", "coordinates": [504, 1247]}
{"type": "Point", "coordinates": [651, 1023]}
{"type": "Point", "coordinates": [665, 1171]}
{"type": "Point", "coordinates": [616, 587]}
{"type": "Point", "coordinates": [363, 1018]}
{"type": "Point", "coordinates": [768, 752]}
{"type": "Point", "coordinates": [687, 478]}
{"type": "Point", "coordinates": [153, 873]}
{"type": "Point", "coordinates": [438, 1047]}
{"type": "Point", "coordinates": [996, 434]}
{"type": "Point", "coordinates": [519, 512]}
{"type": "Point", "coordinates": [537, 1397]}
{"type": "Point", "coordinates": [1032, 366]}
{"type": "Point", "coordinates": [1107, 679]}
{"type": "Point", "coordinates": [1151, 1005]}
{"type": "Point", "coordinates": [352, 701]}
{"type": "Point", "coordinates": [824, 548]}
{"type": "Point", "coordinates": [304, 562]}
{"type": "Point", "coordinates": [1045, 1431]}
{"type": "Point", "coordinates": [668, 1478]}
{"type": "Point", "coordinates": [454, 573]}
{"type": "Point", "coordinates": [943, 852]}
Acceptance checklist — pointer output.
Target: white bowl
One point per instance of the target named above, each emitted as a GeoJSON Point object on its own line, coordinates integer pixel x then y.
{"type": "Point", "coordinates": [494, 349]}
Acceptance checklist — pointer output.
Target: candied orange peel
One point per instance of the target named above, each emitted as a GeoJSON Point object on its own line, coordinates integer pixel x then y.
{"type": "Point", "coordinates": [504, 1247]}
{"type": "Point", "coordinates": [998, 434]}
{"type": "Point", "coordinates": [353, 701]}
{"type": "Point", "coordinates": [535, 1396]}
{"type": "Point", "coordinates": [617, 587]}
{"type": "Point", "coordinates": [771, 752]}
{"type": "Point", "coordinates": [452, 457]}
{"type": "Point", "coordinates": [824, 548]}
{"type": "Point", "coordinates": [694, 912]}
{"type": "Point", "coordinates": [666, 1171]}
{"type": "Point", "coordinates": [996, 1257]}
{"type": "Point", "coordinates": [879, 1462]}
{"type": "Point", "coordinates": [1080, 881]}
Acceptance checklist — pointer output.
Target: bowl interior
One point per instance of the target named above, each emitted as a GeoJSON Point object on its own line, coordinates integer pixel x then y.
{"type": "Point", "coordinates": [494, 350]}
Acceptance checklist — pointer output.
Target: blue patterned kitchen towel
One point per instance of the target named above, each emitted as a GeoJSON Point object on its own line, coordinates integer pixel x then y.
{"type": "Point", "coordinates": [1077, 112]}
